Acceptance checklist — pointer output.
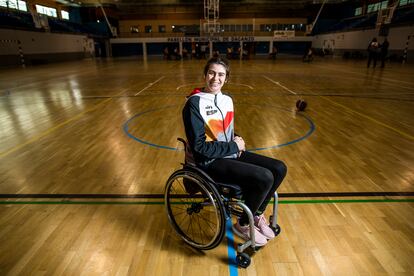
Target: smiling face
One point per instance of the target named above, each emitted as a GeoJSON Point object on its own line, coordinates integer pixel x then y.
{"type": "Point", "coordinates": [215, 78]}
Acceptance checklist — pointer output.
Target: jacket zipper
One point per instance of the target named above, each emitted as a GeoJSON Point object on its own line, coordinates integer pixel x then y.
{"type": "Point", "coordinates": [224, 130]}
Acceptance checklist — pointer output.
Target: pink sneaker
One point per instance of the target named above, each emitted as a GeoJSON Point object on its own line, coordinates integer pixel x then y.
{"type": "Point", "coordinates": [261, 223]}
{"type": "Point", "coordinates": [244, 233]}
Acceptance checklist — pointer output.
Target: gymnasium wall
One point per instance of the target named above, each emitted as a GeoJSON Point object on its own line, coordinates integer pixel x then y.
{"type": "Point", "coordinates": [39, 47]}
{"type": "Point", "coordinates": [358, 41]}
{"type": "Point", "coordinates": [125, 25]}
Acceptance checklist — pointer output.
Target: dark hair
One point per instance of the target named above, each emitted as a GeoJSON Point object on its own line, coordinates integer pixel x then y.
{"type": "Point", "coordinates": [220, 61]}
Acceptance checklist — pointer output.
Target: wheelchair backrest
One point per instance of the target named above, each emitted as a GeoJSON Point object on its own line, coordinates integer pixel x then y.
{"type": "Point", "coordinates": [189, 158]}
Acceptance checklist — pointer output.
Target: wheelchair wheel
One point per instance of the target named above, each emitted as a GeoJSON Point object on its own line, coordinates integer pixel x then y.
{"type": "Point", "coordinates": [243, 260]}
{"type": "Point", "coordinates": [195, 209]}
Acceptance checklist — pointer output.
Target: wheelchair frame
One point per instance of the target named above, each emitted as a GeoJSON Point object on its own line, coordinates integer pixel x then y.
{"type": "Point", "coordinates": [183, 202]}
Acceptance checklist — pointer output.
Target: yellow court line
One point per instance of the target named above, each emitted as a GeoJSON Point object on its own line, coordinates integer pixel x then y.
{"type": "Point", "coordinates": [45, 133]}
{"type": "Point", "coordinates": [406, 135]}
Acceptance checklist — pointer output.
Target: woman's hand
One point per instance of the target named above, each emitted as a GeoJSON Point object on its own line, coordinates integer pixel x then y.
{"type": "Point", "coordinates": [240, 143]}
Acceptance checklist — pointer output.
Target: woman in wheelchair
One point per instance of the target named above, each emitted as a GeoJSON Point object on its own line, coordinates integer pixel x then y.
{"type": "Point", "coordinates": [208, 117]}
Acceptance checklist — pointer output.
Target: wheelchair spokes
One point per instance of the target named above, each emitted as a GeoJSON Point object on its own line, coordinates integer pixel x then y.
{"type": "Point", "coordinates": [194, 210]}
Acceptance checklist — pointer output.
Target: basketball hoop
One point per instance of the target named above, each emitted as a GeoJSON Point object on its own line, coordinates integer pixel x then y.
{"type": "Point", "coordinates": [383, 17]}
{"type": "Point", "coordinates": [211, 15]}
{"type": "Point", "coordinates": [211, 28]}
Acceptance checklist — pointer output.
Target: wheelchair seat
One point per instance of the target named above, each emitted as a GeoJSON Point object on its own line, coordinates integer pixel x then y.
{"type": "Point", "coordinates": [229, 190]}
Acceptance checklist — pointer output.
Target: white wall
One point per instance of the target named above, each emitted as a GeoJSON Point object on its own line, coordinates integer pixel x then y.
{"type": "Point", "coordinates": [358, 40]}
{"type": "Point", "coordinates": [43, 43]}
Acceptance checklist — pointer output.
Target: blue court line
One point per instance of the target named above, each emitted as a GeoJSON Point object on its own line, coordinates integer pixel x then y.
{"type": "Point", "coordinates": [231, 252]}
{"type": "Point", "coordinates": [126, 128]}
{"type": "Point", "coordinates": [309, 132]}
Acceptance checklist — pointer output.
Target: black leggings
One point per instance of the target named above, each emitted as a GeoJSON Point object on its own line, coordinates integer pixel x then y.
{"type": "Point", "coordinates": [258, 176]}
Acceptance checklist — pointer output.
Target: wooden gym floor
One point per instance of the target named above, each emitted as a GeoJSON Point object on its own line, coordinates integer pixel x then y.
{"type": "Point", "coordinates": [86, 148]}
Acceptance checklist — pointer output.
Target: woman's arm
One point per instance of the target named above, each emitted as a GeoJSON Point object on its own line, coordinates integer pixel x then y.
{"type": "Point", "coordinates": [196, 136]}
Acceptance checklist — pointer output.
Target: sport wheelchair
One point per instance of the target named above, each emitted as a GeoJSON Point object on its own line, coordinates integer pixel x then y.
{"type": "Point", "coordinates": [198, 208]}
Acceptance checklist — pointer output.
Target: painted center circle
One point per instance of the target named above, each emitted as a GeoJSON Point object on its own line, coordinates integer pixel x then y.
{"type": "Point", "coordinates": [132, 125]}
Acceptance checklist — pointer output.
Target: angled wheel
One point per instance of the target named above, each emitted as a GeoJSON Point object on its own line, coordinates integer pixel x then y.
{"type": "Point", "coordinates": [194, 209]}
{"type": "Point", "coordinates": [243, 260]}
{"type": "Point", "coordinates": [276, 229]}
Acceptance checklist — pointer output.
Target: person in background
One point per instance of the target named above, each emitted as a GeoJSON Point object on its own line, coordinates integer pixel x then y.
{"type": "Point", "coordinates": [373, 48]}
{"type": "Point", "coordinates": [273, 54]}
{"type": "Point", "coordinates": [384, 52]}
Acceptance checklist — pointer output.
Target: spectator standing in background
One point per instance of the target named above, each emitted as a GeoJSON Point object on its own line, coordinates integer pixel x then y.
{"type": "Point", "coordinates": [384, 52]}
{"type": "Point", "coordinates": [373, 49]}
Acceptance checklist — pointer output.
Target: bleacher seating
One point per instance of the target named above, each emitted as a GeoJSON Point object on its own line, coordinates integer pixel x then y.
{"type": "Point", "coordinates": [16, 20]}
{"type": "Point", "coordinates": [24, 21]}
{"type": "Point", "coordinates": [402, 15]}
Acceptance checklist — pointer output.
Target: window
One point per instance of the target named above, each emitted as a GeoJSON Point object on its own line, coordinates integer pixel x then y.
{"type": "Point", "coordinates": [65, 15]}
{"type": "Point", "coordinates": [161, 28]}
{"type": "Point", "coordinates": [358, 11]}
{"type": "Point", "coordinates": [148, 29]}
{"type": "Point", "coordinates": [134, 29]}
{"type": "Point", "coordinates": [268, 28]}
{"type": "Point", "coordinates": [373, 7]}
{"type": "Point", "coordinates": [14, 4]}
{"type": "Point", "coordinates": [176, 29]}
{"type": "Point", "coordinates": [377, 6]}
{"type": "Point", "coordinates": [406, 2]}
{"type": "Point", "coordinates": [22, 5]}
{"type": "Point", "coordinates": [46, 10]}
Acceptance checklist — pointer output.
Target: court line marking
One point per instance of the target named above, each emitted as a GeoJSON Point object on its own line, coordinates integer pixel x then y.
{"type": "Point", "coordinates": [160, 196]}
{"type": "Point", "coordinates": [231, 83]}
{"type": "Point", "coordinates": [304, 201]}
{"type": "Point", "coordinates": [376, 79]}
{"type": "Point", "coordinates": [63, 75]}
{"type": "Point", "coordinates": [277, 83]}
{"type": "Point", "coordinates": [305, 136]}
{"type": "Point", "coordinates": [231, 252]}
{"type": "Point", "coordinates": [406, 135]}
{"type": "Point", "coordinates": [50, 130]}
{"type": "Point", "coordinates": [149, 85]}
{"type": "Point", "coordinates": [187, 84]}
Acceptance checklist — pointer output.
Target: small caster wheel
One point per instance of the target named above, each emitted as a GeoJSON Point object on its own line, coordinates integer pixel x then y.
{"type": "Point", "coordinates": [276, 229]}
{"type": "Point", "coordinates": [243, 260]}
